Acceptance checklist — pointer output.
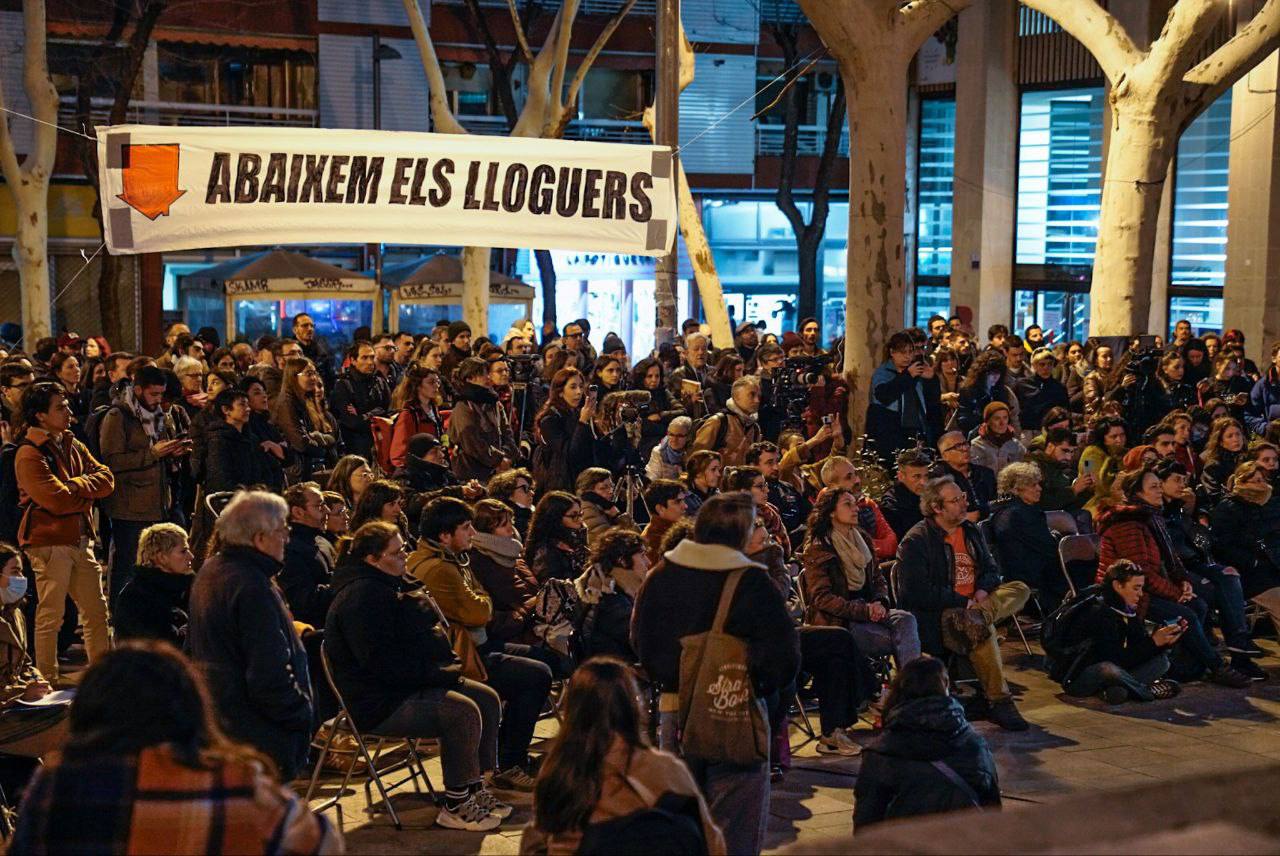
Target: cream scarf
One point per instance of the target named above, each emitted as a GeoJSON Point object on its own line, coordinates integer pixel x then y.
{"type": "Point", "coordinates": [854, 555]}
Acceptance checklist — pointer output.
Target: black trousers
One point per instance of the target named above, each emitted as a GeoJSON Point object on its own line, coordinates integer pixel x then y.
{"type": "Point", "coordinates": [839, 672]}
{"type": "Point", "coordinates": [523, 683]}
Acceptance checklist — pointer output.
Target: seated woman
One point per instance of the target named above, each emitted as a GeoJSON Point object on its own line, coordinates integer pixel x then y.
{"type": "Point", "coordinates": [608, 589]}
{"type": "Point", "coordinates": [557, 545]}
{"type": "Point", "coordinates": [1024, 545]}
{"type": "Point", "coordinates": [702, 471]}
{"type": "Point", "coordinates": [1135, 530]}
{"type": "Point", "coordinates": [1123, 660]}
{"type": "Point", "coordinates": [1245, 528]}
{"type": "Point", "coordinates": [929, 758]}
{"type": "Point", "coordinates": [498, 563]}
{"type": "Point", "coordinates": [441, 563]}
{"type": "Point", "coordinates": [153, 605]}
{"type": "Point", "coordinates": [29, 733]}
{"type": "Point", "coordinates": [602, 788]}
{"type": "Point", "coordinates": [599, 511]}
{"type": "Point", "coordinates": [844, 586]}
{"type": "Point", "coordinates": [163, 779]}
{"type": "Point", "coordinates": [383, 500]}
{"type": "Point", "coordinates": [1103, 458]}
{"type": "Point", "coordinates": [1223, 451]}
{"type": "Point", "coordinates": [397, 672]}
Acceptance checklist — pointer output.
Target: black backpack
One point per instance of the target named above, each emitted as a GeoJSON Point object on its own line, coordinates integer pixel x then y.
{"type": "Point", "coordinates": [11, 506]}
{"type": "Point", "coordinates": [1063, 645]}
{"type": "Point", "coordinates": [93, 430]}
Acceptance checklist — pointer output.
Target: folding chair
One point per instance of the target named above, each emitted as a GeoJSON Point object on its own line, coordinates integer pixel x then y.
{"type": "Point", "coordinates": [374, 774]}
{"type": "Point", "coordinates": [1077, 549]}
{"type": "Point", "coordinates": [1062, 523]}
{"type": "Point", "coordinates": [989, 535]}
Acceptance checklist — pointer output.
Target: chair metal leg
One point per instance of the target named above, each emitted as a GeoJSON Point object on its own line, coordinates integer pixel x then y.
{"type": "Point", "coordinates": [377, 780]}
{"type": "Point", "coordinates": [421, 770]}
{"type": "Point", "coordinates": [324, 753]}
{"type": "Point", "coordinates": [1018, 626]}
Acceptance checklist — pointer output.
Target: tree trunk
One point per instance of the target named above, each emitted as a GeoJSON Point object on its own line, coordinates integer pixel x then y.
{"type": "Point", "coordinates": [704, 265]}
{"type": "Point", "coordinates": [32, 258]}
{"type": "Point", "coordinates": [1137, 165]}
{"type": "Point", "coordinates": [547, 275]}
{"type": "Point", "coordinates": [877, 104]}
{"type": "Point", "coordinates": [475, 289]}
{"type": "Point", "coordinates": [809, 268]}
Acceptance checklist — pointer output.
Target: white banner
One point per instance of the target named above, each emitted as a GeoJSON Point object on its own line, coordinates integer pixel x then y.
{"type": "Point", "coordinates": [178, 188]}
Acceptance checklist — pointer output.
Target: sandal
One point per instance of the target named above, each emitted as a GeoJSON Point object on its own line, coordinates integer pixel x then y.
{"type": "Point", "coordinates": [1163, 689]}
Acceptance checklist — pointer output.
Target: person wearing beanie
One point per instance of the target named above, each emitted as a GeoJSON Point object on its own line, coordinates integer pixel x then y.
{"type": "Point", "coordinates": [997, 444]}
{"type": "Point", "coordinates": [792, 344]}
{"type": "Point", "coordinates": [616, 348]}
{"type": "Point", "coordinates": [458, 337]}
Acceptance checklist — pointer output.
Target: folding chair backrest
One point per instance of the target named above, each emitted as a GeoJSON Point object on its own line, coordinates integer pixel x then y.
{"type": "Point", "coordinates": [1062, 523]}
{"type": "Point", "coordinates": [1079, 558]}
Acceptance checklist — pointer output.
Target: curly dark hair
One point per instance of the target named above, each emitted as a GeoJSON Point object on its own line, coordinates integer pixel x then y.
{"type": "Point", "coordinates": [546, 527]}
{"type": "Point", "coordinates": [987, 362]}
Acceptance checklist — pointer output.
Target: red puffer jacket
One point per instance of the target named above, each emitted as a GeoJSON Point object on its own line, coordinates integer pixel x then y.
{"type": "Point", "coordinates": [1127, 533]}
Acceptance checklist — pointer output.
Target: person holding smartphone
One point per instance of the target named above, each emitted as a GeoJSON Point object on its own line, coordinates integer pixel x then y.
{"type": "Point", "coordinates": [1123, 661]}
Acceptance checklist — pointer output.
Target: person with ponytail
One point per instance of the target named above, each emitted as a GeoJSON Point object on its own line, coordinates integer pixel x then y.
{"type": "Point", "coordinates": [603, 788]}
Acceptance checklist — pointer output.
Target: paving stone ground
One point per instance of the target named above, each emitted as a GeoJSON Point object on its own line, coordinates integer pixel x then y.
{"type": "Point", "coordinates": [1073, 746]}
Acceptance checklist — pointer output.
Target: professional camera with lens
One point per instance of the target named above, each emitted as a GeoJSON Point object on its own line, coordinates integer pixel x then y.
{"type": "Point", "coordinates": [791, 385]}
{"type": "Point", "coordinates": [524, 368]}
{"type": "Point", "coordinates": [1145, 362]}
{"type": "Point", "coordinates": [623, 407]}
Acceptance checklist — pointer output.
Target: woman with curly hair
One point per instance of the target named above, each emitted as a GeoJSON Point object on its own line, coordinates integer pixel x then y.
{"type": "Point", "coordinates": [557, 545]}
{"type": "Point", "coordinates": [986, 382]}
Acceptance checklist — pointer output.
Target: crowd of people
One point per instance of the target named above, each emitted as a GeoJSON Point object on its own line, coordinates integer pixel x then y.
{"type": "Point", "coordinates": [467, 533]}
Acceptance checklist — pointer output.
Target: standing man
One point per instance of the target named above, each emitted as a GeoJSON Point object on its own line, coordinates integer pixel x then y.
{"type": "Point", "coordinates": [809, 333]}
{"type": "Point", "coordinates": [478, 427]}
{"type": "Point", "coordinates": [359, 394]}
{"type": "Point", "coordinates": [58, 481]}
{"type": "Point", "coordinates": [746, 340]}
{"type": "Point", "coordinates": [458, 335]}
{"type": "Point", "coordinates": [576, 345]}
{"type": "Point", "coordinates": [314, 348]}
{"type": "Point", "coordinates": [733, 431]}
{"type": "Point", "coordinates": [136, 443]}
{"type": "Point", "coordinates": [905, 405]}
{"type": "Point", "coordinates": [384, 349]}
{"type": "Point", "coordinates": [694, 370]}
{"type": "Point", "coordinates": [948, 579]}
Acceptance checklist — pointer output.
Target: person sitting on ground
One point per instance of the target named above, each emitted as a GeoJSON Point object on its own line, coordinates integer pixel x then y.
{"type": "Point", "coordinates": [665, 500]}
{"type": "Point", "coordinates": [1061, 489]}
{"type": "Point", "coordinates": [679, 599]}
{"type": "Point", "coordinates": [844, 586]}
{"type": "Point", "coordinates": [442, 564]}
{"type": "Point", "coordinates": [243, 637]}
{"type": "Point", "coordinates": [702, 472]}
{"type": "Point", "coordinates": [667, 458]}
{"type": "Point", "coordinates": [153, 605]}
{"type": "Point", "coordinates": [599, 511]}
{"type": "Point", "coordinates": [396, 670]}
{"type": "Point", "coordinates": [996, 445]}
{"type": "Point", "coordinates": [607, 590]}
{"type": "Point", "coordinates": [603, 788]}
{"type": "Point", "coordinates": [929, 758]}
{"type": "Point", "coordinates": [497, 562]}
{"type": "Point", "coordinates": [950, 581]}
{"type": "Point", "coordinates": [1135, 530]}
{"type": "Point", "coordinates": [1023, 542]}
{"type": "Point", "coordinates": [901, 505]}
{"type": "Point", "coordinates": [977, 482]}
{"type": "Point", "coordinates": [1245, 532]}
{"type": "Point", "coordinates": [557, 545]}
{"type": "Point", "coordinates": [164, 778]}
{"type": "Point", "coordinates": [24, 731]}
{"type": "Point", "coordinates": [1122, 660]}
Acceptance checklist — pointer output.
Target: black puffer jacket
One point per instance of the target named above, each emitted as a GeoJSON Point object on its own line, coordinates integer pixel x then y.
{"type": "Point", "coordinates": [567, 448]}
{"type": "Point", "coordinates": [368, 396]}
{"type": "Point", "coordinates": [384, 643]}
{"type": "Point", "coordinates": [153, 605]}
{"type": "Point", "coordinates": [899, 777]}
{"type": "Point", "coordinates": [307, 576]}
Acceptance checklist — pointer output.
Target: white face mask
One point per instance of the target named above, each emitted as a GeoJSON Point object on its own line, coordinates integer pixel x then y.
{"type": "Point", "coordinates": [14, 591]}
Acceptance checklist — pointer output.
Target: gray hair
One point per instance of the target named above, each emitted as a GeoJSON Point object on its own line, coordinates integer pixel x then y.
{"type": "Point", "coordinates": [681, 423]}
{"type": "Point", "coordinates": [158, 539]}
{"type": "Point", "coordinates": [932, 494]}
{"type": "Point", "coordinates": [187, 365]}
{"type": "Point", "coordinates": [1018, 477]}
{"type": "Point", "coordinates": [250, 513]}
{"type": "Point", "coordinates": [694, 338]}
{"type": "Point", "coordinates": [744, 382]}
{"type": "Point", "coordinates": [828, 471]}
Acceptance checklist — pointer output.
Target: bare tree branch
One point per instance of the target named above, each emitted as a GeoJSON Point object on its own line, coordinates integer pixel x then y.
{"type": "Point", "coordinates": [568, 12]}
{"type": "Point", "coordinates": [1254, 41]}
{"type": "Point", "coordinates": [441, 115]}
{"type": "Point", "coordinates": [1095, 28]}
{"type": "Point", "coordinates": [40, 91]}
{"type": "Point", "coordinates": [590, 58]}
{"type": "Point", "coordinates": [521, 41]}
{"type": "Point", "coordinates": [500, 70]}
{"type": "Point", "coordinates": [1187, 26]}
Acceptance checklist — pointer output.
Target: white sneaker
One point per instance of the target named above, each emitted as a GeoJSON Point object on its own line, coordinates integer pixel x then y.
{"type": "Point", "coordinates": [838, 743]}
{"type": "Point", "coordinates": [487, 801]}
{"type": "Point", "coordinates": [470, 816]}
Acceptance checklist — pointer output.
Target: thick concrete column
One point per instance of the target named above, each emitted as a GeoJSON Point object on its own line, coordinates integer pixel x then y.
{"type": "Point", "coordinates": [1252, 291]}
{"type": "Point", "coordinates": [986, 160]}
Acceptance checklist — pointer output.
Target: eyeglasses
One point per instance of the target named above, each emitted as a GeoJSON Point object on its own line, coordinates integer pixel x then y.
{"type": "Point", "coordinates": [957, 447]}
{"type": "Point", "coordinates": [523, 487]}
{"type": "Point", "coordinates": [573, 335]}
{"type": "Point", "coordinates": [573, 515]}
{"type": "Point", "coordinates": [677, 436]}
{"type": "Point", "coordinates": [956, 500]}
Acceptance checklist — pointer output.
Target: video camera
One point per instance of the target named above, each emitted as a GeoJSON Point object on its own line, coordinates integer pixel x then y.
{"type": "Point", "coordinates": [524, 369]}
{"type": "Point", "coordinates": [791, 385]}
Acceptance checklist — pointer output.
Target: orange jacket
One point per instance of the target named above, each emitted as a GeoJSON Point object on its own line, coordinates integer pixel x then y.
{"type": "Point", "coordinates": [60, 499]}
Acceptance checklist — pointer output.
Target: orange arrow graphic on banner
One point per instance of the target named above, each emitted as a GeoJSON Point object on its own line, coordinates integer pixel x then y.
{"type": "Point", "coordinates": [151, 178]}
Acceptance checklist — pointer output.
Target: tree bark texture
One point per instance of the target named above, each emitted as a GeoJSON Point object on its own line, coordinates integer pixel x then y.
{"type": "Point", "coordinates": [29, 182]}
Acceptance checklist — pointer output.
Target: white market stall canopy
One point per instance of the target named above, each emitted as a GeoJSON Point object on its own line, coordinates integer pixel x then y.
{"type": "Point", "coordinates": [283, 275]}
{"type": "Point", "coordinates": [438, 279]}
{"type": "Point", "coordinates": [175, 188]}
